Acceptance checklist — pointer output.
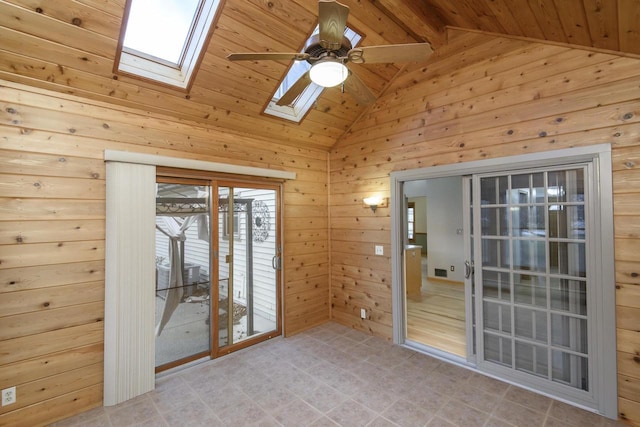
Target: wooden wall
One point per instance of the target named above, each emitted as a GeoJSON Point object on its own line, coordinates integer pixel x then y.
{"type": "Point", "coordinates": [484, 97]}
{"type": "Point", "coordinates": [52, 221]}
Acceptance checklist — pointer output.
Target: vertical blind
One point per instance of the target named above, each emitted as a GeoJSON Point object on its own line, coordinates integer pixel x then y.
{"type": "Point", "coordinates": [129, 353]}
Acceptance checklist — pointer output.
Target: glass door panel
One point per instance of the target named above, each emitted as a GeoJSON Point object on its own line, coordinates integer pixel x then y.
{"type": "Point", "coordinates": [248, 264]}
{"type": "Point", "coordinates": [533, 277]}
{"type": "Point", "coordinates": [182, 273]}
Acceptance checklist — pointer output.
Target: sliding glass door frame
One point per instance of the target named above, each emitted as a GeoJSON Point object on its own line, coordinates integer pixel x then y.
{"type": "Point", "coordinates": [604, 356]}
{"type": "Point", "coordinates": [214, 181]}
{"type": "Point", "coordinates": [217, 349]}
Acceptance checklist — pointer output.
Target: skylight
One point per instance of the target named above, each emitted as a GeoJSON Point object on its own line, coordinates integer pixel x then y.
{"type": "Point", "coordinates": [306, 99]}
{"type": "Point", "coordinates": [163, 39]}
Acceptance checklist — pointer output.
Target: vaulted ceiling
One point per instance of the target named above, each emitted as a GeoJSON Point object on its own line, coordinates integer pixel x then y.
{"type": "Point", "coordinates": [69, 46]}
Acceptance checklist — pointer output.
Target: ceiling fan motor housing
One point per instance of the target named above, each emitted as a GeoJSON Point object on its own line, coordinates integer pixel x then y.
{"type": "Point", "coordinates": [316, 51]}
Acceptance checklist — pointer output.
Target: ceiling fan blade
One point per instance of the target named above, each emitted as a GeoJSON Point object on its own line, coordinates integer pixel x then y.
{"type": "Point", "coordinates": [274, 56]}
{"type": "Point", "coordinates": [356, 88]}
{"type": "Point", "coordinates": [295, 90]}
{"type": "Point", "coordinates": [332, 19]}
{"type": "Point", "coordinates": [411, 52]}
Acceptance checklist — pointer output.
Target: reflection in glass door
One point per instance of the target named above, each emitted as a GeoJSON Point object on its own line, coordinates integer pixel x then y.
{"type": "Point", "coordinates": [182, 273]}
{"type": "Point", "coordinates": [248, 265]}
{"type": "Point", "coordinates": [218, 276]}
{"type": "Point", "coordinates": [532, 277]}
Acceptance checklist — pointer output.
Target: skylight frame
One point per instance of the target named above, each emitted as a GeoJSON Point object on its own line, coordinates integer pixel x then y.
{"type": "Point", "coordinates": [141, 65]}
{"type": "Point", "coordinates": [308, 97]}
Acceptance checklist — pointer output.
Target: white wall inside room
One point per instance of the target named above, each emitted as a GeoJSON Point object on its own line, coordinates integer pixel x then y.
{"type": "Point", "coordinates": [445, 245]}
{"type": "Point", "coordinates": [420, 204]}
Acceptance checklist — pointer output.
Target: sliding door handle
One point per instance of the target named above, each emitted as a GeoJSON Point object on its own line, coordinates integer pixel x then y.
{"type": "Point", "coordinates": [275, 263]}
{"type": "Point", "coordinates": [468, 269]}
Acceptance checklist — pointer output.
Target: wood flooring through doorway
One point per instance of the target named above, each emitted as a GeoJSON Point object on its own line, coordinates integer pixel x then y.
{"type": "Point", "coordinates": [437, 317]}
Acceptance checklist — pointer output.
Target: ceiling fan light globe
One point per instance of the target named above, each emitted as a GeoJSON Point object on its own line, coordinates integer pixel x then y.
{"type": "Point", "coordinates": [328, 73]}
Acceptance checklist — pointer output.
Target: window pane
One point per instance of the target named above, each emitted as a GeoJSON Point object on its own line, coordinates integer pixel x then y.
{"type": "Point", "coordinates": [566, 222]}
{"type": "Point", "coordinates": [570, 369]}
{"type": "Point", "coordinates": [528, 221]}
{"type": "Point", "coordinates": [569, 295]}
{"type": "Point", "coordinates": [494, 222]}
{"type": "Point", "coordinates": [530, 289]}
{"type": "Point", "coordinates": [493, 190]}
{"type": "Point", "coordinates": [568, 258]}
{"type": "Point", "coordinates": [529, 255]}
{"type": "Point", "coordinates": [532, 359]}
{"type": "Point", "coordinates": [497, 317]}
{"type": "Point", "coordinates": [569, 332]}
{"type": "Point", "coordinates": [566, 186]}
{"type": "Point", "coordinates": [160, 28]}
{"type": "Point", "coordinates": [497, 349]}
{"type": "Point", "coordinates": [496, 285]}
{"type": "Point", "coordinates": [531, 324]}
{"type": "Point", "coordinates": [495, 253]}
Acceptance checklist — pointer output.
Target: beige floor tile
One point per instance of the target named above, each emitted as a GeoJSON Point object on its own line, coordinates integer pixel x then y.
{"type": "Point", "coordinates": [381, 422]}
{"type": "Point", "coordinates": [296, 413]}
{"type": "Point", "coordinates": [334, 376]}
{"type": "Point", "coordinates": [518, 415]}
{"type": "Point", "coordinates": [476, 398]}
{"type": "Point", "coordinates": [407, 414]}
{"type": "Point", "coordinates": [574, 416]}
{"type": "Point", "coordinates": [488, 384]}
{"type": "Point", "coordinates": [459, 414]}
{"type": "Point", "coordinates": [195, 414]}
{"type": "Point", "coordinates": [242, 413]}
{"type": "Point", "coordinates": [527, 398]}
{"type": "Point", "coordinates": [495, 422]}
{"type": "Point", "coordinates": [352, 414]}
{"type": "Point", "coordinates": [439, 422]}
{"type": "Point", "coordinates": [323, 398]}
{"type": "Point", "coordinates": [374, 397]}
{"type": "Point", "coordinates": [129, 414]}
{"type": "Point", "coordinates": [323, 422]}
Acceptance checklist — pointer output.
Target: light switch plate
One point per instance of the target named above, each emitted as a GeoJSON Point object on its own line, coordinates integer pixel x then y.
{"type": "Point", "coordinates": [379, 250]}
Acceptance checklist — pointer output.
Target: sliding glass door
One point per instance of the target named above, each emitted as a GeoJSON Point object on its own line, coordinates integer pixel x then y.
{"type": "Point", "coordinates": [532, 274]}
{"type": "Point", "coordinates": [218, 276]}
{"type": "Point", "coordinates": [183, 253]}
{"type": "Point", "coordinates": [538, 271]}
{"type": "Point", "coordinates": [248, 264]}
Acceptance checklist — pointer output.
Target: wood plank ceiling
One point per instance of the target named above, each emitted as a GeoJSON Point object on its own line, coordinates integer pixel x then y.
{"type": "Point", "coordinates": [70, 45]}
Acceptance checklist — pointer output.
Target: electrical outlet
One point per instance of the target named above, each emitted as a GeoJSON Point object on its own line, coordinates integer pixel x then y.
{"type": "Point", "coordinates": [8, 396]}
{"type": "Point", "coordinates": [363, 313]}
{"type": "Point", "coordinates": [452, 268]}
{"type": "Point", "coordinates": [379, 250]}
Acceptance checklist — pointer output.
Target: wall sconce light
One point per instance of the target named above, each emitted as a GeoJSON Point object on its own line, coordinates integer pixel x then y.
{"type": "Point", "coordinates": [375, 202]}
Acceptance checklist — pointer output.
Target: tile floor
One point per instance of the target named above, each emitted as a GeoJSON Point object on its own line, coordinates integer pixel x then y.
{"type": "Point", "coordinates": [334, 376]}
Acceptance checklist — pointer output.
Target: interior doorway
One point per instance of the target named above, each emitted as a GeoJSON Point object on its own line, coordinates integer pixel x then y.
{"type": "Point", "coordinates": [434, 258]}
{"type": "Point", "coordinates": [217, 267]}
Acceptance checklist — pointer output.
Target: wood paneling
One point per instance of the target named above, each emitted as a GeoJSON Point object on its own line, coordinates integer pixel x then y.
{"type": "Point", "coordinates": [52, 220]}
{"type": "Point", "coordinates": [487, 107]}
{"type": "Point", "coordinates": [601, 24]}
{"type": "Point", "coordinates": [70, 46]}
{"type": "Point", "coordinates": [478, 97]}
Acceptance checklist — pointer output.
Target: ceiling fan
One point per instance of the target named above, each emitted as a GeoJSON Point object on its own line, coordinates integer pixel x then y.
{"type": "Point", "coordinates": [330, 50]}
